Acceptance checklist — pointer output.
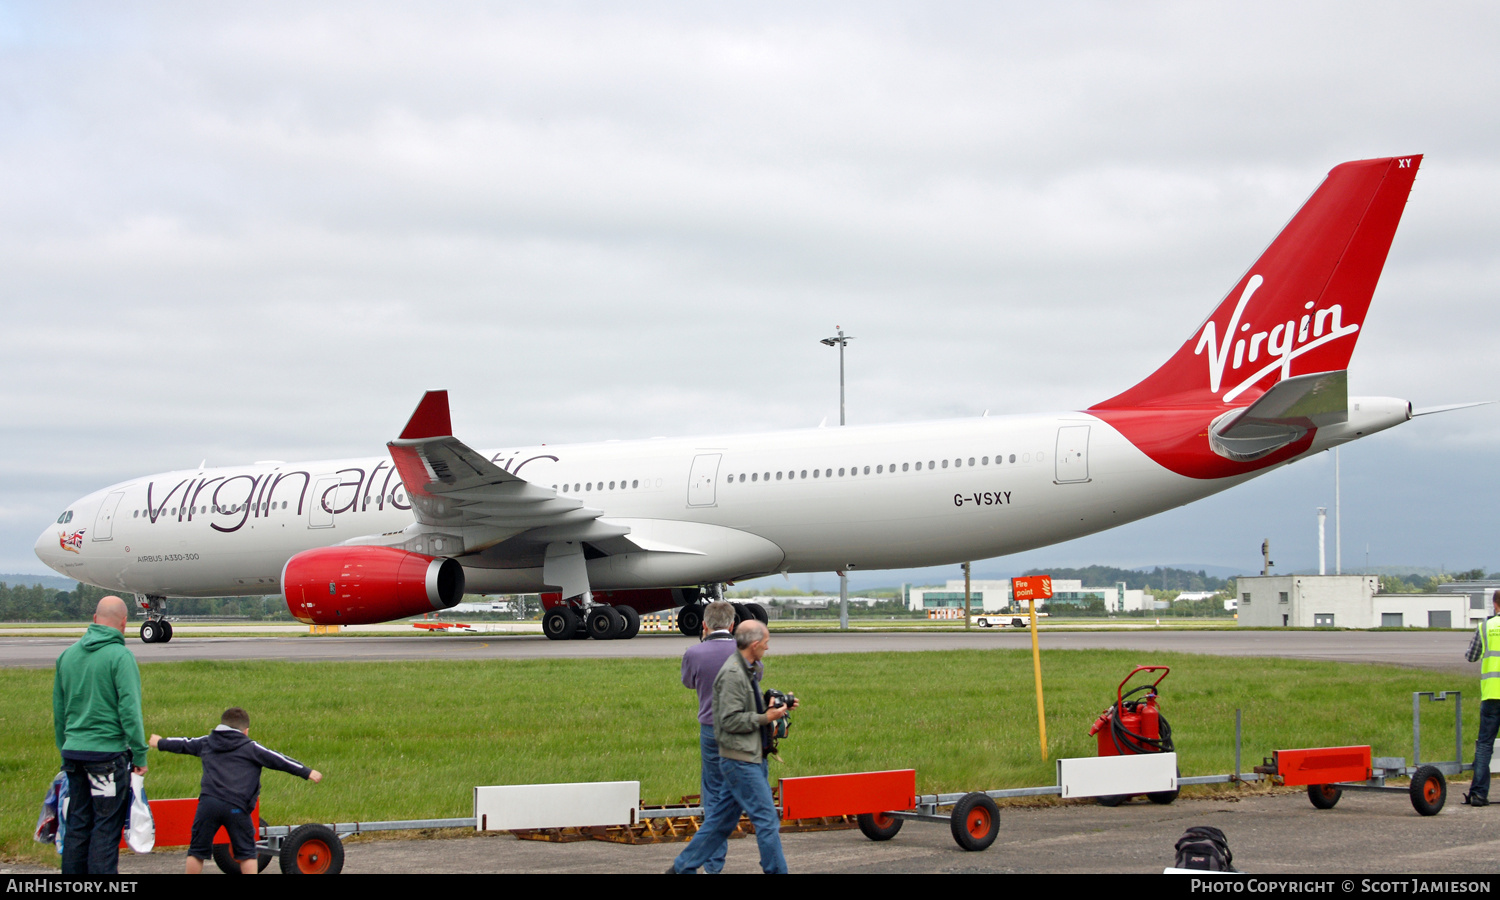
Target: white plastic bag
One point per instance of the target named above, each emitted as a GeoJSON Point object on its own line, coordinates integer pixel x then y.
{"type": "Point", "coordinates": [140, 828]}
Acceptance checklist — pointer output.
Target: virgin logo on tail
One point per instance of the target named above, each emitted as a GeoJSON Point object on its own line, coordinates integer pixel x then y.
{"type": "Point", "coordinates": [1282, 343]}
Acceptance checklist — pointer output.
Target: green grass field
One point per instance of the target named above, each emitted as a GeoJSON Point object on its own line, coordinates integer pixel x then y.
{"type": "Point", "coordinates": [410, 739]}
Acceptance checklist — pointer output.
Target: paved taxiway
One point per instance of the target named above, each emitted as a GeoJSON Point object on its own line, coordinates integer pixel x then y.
{"type": "Point", "coordinates": [1279, 834]}
{"type": "Point", "coordinates": [1441, 650]}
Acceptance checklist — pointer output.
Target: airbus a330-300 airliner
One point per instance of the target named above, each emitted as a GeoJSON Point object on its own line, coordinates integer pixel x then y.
{"type": "Point", "coordinates": [608, 531]}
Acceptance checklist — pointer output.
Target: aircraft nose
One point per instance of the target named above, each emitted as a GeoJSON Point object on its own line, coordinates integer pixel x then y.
{"type": "Point", "coordinates": [47, 547]}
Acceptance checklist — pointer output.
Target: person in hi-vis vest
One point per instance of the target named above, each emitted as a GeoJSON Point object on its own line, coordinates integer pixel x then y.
{"type": "Point", "coordinates": [1485, 650]}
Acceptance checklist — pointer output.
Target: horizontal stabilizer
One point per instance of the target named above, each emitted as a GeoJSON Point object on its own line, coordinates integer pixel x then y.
{"type": "Point", "coordinates": [1282, 415]}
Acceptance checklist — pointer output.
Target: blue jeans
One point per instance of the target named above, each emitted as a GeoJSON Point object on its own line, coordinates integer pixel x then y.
{"type": "Point", "coordinates": [712, 791]}
{"type": "Point", "coordinates": [749, 791]}
{"type": "Point", "coordinates": [98, 800]}
{"type": "Point", "coordinates": [1489, 725]}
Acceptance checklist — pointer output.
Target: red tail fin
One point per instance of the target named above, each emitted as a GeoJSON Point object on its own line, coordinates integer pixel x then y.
{"type": "Point", "coordinates": [1298, 310]}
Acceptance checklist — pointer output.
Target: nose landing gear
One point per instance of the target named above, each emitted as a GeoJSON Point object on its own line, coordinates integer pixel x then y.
{"type": "Point", "coordinates": [156, 629]}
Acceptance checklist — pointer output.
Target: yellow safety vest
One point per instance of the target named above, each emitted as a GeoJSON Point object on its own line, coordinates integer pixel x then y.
{"type": "Point", "coordinates": [1489, 663]}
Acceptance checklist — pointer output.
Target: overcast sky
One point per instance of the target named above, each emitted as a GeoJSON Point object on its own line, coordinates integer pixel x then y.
{"type": "Point", "coordinates": [250, 231]}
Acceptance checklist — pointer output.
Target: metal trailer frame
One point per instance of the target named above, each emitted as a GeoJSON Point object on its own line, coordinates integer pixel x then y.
{"type": "Point", "coordinates": [974, 818]}
{"type": "Point", "coordinates": [1429, 785]}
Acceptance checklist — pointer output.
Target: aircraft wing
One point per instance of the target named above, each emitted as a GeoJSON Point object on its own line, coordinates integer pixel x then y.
{"type": "Point", "coordinates": [457, 492]}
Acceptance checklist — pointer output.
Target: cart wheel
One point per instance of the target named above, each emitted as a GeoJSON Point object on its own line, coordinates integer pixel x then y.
{"type": "Point", "coordinates": [312, 850]}
{"type": "Point", "coordinates": [1429, 790]}
{"type": "Point", "coordinates": [224, 859]}
{"type": "Point", "coordinates": [166, 631]}
{"type": "Point", "coordinates": [1165, 797]}
{"type": "Point", "coordinates": [1325, 796]}
{"type": "Point", "coordinates": [149, 632]}
{"type": "Point", "coordinates": [975, 822]}
{"type": "Point", "coordinates": [1112, 799]}
{"type": "Point", "coordinates": [879, 826]}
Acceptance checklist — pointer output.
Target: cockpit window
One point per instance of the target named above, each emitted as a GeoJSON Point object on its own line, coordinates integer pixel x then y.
{"type": "Point", "coordinates": [65, 518]}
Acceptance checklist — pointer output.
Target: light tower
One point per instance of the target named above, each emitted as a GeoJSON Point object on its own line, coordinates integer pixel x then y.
{"type": "Point", "coordinates": [841, 340]}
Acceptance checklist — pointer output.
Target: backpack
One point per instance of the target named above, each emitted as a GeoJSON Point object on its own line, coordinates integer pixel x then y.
{"type": "Point", "coordinates": [1205, 848]}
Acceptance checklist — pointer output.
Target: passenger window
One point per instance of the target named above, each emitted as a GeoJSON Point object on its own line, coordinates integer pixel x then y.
{"type": "Point", "coordinates": [985, 460]}
{"type": "Point", "coordinates": [778, 476]}
{"type": "Point", "coordinates": [816, 473]}
{"type": "Point", "coordinates": [804, 474]}
{"type": "Point", "coordinates": [905, 466]}
{"type": "Point", "coordinates": [932, 464]}
{"type": "Point", "coordinates": [971, 460]}
{"type": "Point", "coordinates": [754, 476]}
{"type": "Point", "coordinates": [919, 465]}
{"type": "Point", "coordinates": [827, 473]}
{"type": "Point", "coordinates": [611, 485]}
{"type": "Point", "coordinates": [841, 473]}
{"type": "Point", "coordinates": [945, 464]}
{"type": "Point", "coordinates": [1012, 457]}
{"type": "Point", "coordinates": [768, 476]}
{"type": "Point", "coordinates": [867, 470]}
{"type": "Point", "coordinates": [635, 482]}
{"type": "Point", "coordinates": [879, 470]}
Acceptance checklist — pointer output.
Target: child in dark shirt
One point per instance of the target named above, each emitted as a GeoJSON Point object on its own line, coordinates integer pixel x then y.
{"type": "Point", "coordinates": [231, 783]}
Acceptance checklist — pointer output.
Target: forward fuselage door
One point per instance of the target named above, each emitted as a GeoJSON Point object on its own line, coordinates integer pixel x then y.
{"type": "Point", "coordinates": [104, 522]}
{"type": "Point", "coordinates": [703, 478]}
{"type": "Point", "coordinates": [320, 510]}
{"type": "Point", "coordinates": [1072, 454]}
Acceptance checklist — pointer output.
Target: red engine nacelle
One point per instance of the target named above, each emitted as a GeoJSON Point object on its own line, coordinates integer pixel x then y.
{"type": "Point", "coordinates": [645, 600]}
{"type": "Point", "coordinates": [361, 585]}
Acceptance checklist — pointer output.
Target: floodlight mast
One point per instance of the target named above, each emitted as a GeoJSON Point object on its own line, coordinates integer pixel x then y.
{"type": "Point", "coordinates": [841, 340]}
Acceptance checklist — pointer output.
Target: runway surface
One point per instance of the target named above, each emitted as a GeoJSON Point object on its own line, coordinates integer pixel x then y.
{"type": "Point", "coordinates": [1441, 650]}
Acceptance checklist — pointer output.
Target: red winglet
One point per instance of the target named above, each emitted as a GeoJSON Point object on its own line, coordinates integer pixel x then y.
{"type": "Point", "coordinates": [431, 418]}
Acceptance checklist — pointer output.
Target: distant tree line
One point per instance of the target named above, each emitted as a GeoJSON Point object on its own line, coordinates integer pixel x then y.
{"type": "Point", "coordinates": [1427, 584]}
{"type": "Point", "coordinates": [35, 603]}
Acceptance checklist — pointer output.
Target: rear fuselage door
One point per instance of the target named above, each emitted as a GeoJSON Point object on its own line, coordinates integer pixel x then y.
{"type": "Point", "coordinates": [104, 522]}
{"type": "Point", "coordinates": [1072, 454]}
{"type": "Point", "coordinates": [703, 478]}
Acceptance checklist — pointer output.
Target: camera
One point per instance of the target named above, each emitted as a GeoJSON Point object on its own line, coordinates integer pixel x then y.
{"type": "Point", "coordinates": [773, 700]}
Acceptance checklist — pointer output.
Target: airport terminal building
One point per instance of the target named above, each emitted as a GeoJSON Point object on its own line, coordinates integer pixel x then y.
{"type": "Point", "coordinates": [994, 596]}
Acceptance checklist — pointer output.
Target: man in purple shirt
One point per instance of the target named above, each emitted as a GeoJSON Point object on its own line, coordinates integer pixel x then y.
{"type": "Point", "coordinates": [700, 664]}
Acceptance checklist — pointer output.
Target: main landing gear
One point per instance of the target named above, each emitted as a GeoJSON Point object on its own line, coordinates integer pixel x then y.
{"type": "Point", "coordinates": [156, 629]}
{"type": "Point", "coordinates": [690, 618]}
{"type": "Point", "coordinates": [600, 622]}
{"type": "Point", "coordinates": [621, 621]}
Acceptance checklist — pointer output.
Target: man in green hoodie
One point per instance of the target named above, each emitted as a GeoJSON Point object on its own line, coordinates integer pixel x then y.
{"type": "Point", "coordinates": [96, 714]}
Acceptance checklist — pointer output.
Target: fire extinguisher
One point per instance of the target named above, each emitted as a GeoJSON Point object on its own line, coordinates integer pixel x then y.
{"type": "Point", "coordinates": [1135, 726]}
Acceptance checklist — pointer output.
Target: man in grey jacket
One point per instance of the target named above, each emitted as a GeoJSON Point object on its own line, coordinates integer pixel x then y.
{"type": "Point", "coordinates": [739, 716]}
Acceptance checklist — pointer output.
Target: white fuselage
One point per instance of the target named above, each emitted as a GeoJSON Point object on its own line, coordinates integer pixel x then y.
{"type": "Point", "coordinates": [826, 499]}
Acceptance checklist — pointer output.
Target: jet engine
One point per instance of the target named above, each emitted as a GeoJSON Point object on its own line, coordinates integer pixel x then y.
{"type": "Point", "coordinates": [361, 585]}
